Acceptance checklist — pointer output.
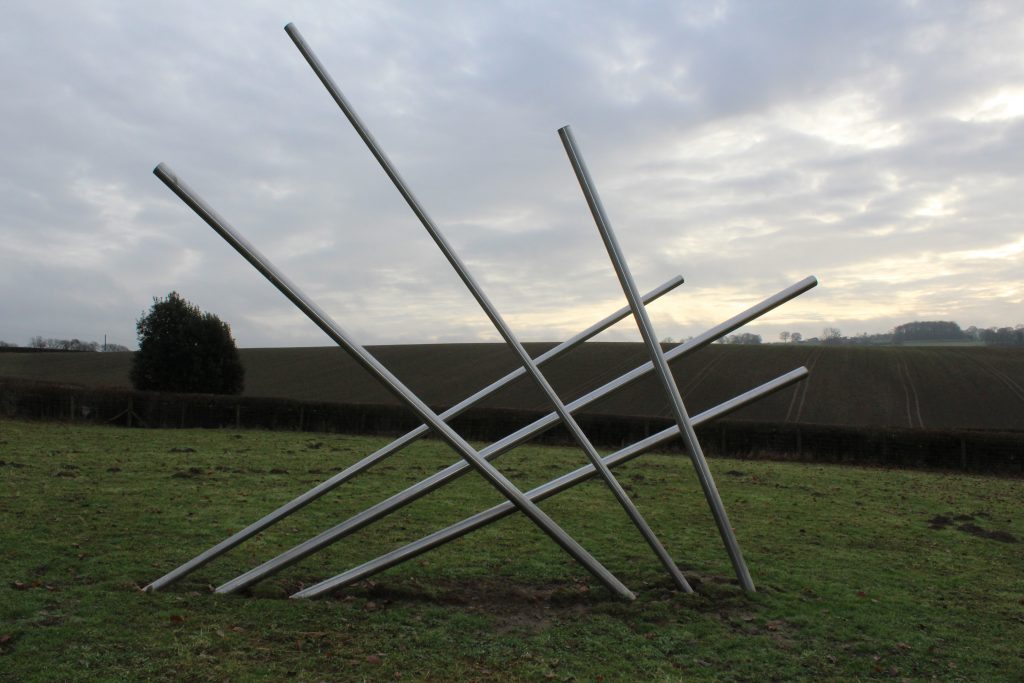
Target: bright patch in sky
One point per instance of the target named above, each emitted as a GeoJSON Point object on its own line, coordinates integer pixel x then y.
{"type": "Point", "coordinates": [1000, 253]}
{"type": "Point", "coordinates": [850, 119]}
{"type": "Point", "coordinates": [1004, 104]}
{"type": "Point", "coordinates": [938, 205]}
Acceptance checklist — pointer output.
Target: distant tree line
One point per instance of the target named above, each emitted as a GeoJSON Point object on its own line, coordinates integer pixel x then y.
{"type": "Point", "coordinates": [928, 330]}
{"type": "Point", "coordinates": [66, 345]}
{"type": "Point", "coordinates": [917, 331]}
{"type": "Point", "coordinates": [743, 338]}
{"type": "Point", "coordinates": [73, 345]}
{"type": "Point", "coordinates": [1010, 336]}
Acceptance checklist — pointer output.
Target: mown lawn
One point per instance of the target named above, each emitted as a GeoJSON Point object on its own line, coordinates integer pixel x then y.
{"type": "Point", "coordinates": [861, 573]}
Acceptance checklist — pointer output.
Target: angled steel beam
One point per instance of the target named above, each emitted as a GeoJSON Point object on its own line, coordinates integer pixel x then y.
{"type": "Point", "coordinates": [392, 448]}
{"type": "Point", "coordinates": [495, 317]}
{"type": "Point", "coordinates": [392, 383]}
{"type": "Point", "coordinates": [520, 436]}
{"type": "Point", "coordinates": [540, 493]}
{"type": "Point", "coordinates": [650, 338]}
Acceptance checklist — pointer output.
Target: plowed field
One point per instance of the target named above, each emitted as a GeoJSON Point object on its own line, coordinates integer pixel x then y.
{"type": "Point", "coordinates": [911, 387]}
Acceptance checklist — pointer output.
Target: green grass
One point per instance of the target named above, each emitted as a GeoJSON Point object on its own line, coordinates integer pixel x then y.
{"type": "Point", "coordinates": [854, 581]}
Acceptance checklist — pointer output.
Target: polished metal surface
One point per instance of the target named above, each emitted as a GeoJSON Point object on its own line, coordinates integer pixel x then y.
{"type": "Point", "coordinates": [578, 435]}
{"type": "Point", "coordinates": [481, 460]}
{"type": "Point", "coordinates": [650, 338]}
{"type": "Point", "coordinates": [395, 446]}
{"type": "Point", "coordinates": [392, 383]}
{"type": "Point", "coordinates": [566, 481]}
{"type": "Point", "coordinates": [520, 436]}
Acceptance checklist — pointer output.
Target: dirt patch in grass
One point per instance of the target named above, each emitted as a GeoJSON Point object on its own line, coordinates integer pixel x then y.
{"type": "Point", "coordinates": [188, 474]}
{"type": "Point", "coordinates": [975, 530]}
{"type": "Point", "coordinates": [967, 525]}
{"type": "Point", "coordinates": [514, 606]}
{"type": "Point", "coordinates": [532, 608]}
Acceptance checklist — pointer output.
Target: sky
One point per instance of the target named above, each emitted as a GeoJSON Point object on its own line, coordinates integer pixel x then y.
{"type": "Point", "coordinates": [743, 145]}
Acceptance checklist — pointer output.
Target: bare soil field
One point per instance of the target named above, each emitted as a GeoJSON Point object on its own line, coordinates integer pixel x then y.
{"type": "Point", "coordinates": [930, 388]}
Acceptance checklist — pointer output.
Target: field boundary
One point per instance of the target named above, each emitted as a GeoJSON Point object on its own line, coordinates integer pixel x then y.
{"type": "Point", "coordinates": [981, 451]}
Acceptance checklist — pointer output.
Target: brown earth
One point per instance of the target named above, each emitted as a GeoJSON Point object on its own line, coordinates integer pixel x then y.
{"type": "Point", "coordinates": [932, 388]}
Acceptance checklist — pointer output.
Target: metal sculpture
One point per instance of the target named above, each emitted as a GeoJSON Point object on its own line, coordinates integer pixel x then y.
{"type": "Point", "coordinates": [481, 460]}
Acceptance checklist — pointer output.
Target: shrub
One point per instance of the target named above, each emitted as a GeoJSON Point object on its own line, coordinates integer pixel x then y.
{"type": "Point", "coordinates": [182, 349]}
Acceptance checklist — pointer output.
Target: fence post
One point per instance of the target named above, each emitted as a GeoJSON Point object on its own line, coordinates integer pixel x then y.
{"type": "Point", "coordinates": [131, 409]}
{"type": "Point", "coordinates": [238, 416]}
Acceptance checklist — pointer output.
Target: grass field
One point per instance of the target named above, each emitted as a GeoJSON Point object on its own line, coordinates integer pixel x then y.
{"type": "Point", "coordinates": [862, 574]}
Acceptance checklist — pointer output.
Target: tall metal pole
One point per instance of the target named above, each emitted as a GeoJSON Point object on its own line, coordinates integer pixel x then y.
{"type": "Point", "coordinates": [392, 383]}
{"type": "Point", "coordinates": [520, 436]}
{"type": "Point", "coordinates": [566, 481]}
{"type": "Point", "coordinates": [499, 323]}
{"type": "Point", "coordinates": [378, 456]}
{"type": "Point", "coordinates": [658, 358]}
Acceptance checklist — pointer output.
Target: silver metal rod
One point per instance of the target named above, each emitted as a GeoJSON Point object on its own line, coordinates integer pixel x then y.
{"type": "Point", "coordinates": [520, 436]}
{"type": "Point", "coordinates": [488, 307]}
{"type": "Point", "coordinates": [643, 321]}
{"type": "Point", "coordinates": [540, 493]}
{"type": "Point", "coordinates": [393, 384]}
{"type": "Point", "coordinates": [395, 446]}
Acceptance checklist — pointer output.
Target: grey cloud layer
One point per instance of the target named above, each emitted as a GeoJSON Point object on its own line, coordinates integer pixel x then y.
{"type": "Point", "coordinates": [744, 145]}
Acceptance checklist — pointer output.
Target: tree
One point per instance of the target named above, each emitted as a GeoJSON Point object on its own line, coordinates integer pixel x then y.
{"type": "Point", "coordinates": [183, 349]}
{"type": "Point", "coordinates": [928, 330]}
{"type": "Point", "coordinates": [831, 335]}
{"type": "Point", "coordinates": [796, 337]}
{"type": "Point", "coordinates": [784, 336]}
{"type": "Point", "coordinates": [1003, 335]}
{"type": "Point", "coordinates": [744, 338]}
{"type": "Point", "coordinates": [38, 342]}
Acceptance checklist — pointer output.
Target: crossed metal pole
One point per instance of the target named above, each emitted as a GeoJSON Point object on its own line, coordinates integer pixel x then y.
{"type": "Point", "coordinates": [480, 460]}
{"type": "Point", "coordinates": [396, 445]}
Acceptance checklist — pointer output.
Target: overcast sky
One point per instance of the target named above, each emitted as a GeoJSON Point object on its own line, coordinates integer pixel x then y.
{"type": "Point", "coordinates": [743, 145]}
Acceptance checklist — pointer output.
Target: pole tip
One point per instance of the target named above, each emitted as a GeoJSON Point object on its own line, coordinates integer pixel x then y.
{"type": "Point", "coordinates": [162, 171]}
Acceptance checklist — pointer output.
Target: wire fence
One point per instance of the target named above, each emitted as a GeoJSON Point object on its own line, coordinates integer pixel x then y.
{"type": "Point", "coordinates": [982, 451]}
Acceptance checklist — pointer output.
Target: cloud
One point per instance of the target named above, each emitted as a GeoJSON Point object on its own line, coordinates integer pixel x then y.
{"type": "Point", "coordinates": [742, 144]}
